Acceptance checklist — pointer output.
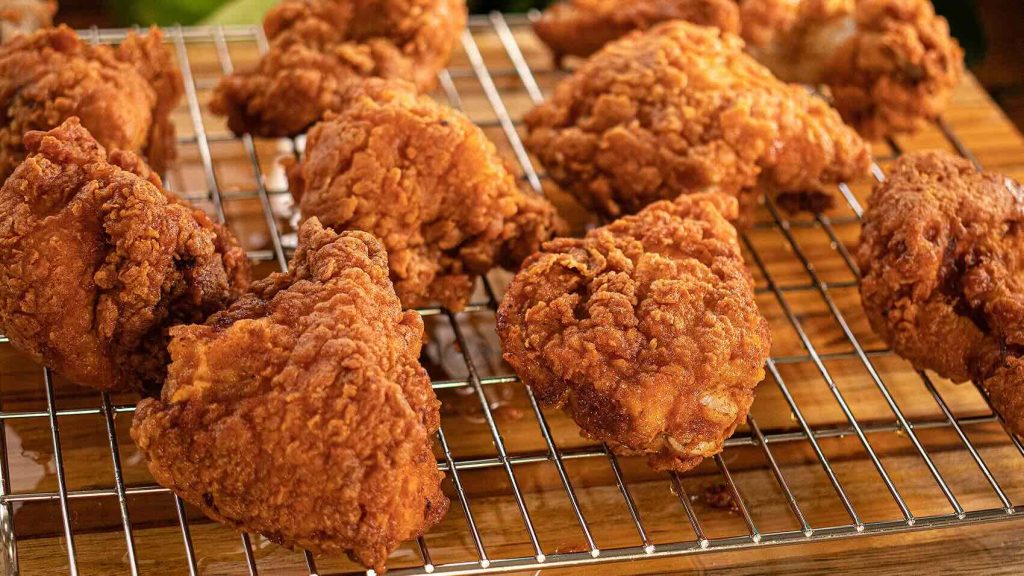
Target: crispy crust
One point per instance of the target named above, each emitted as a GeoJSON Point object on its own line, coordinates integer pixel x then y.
{"type": "Point", "coordinates": [121, 95]}
{"type": "Point", "coordinates": [899, 71]}
{"type": "Point", "coordinates": [891, 65]}
{"type": "Point", "coordinates": [424, 179]}
{"type": "Point", "coordinates": [302, 412]}
{"type": "Point", "coordinates": [942, 259]}
{"type": "Point", "coordinates": [97, 261]}
{"type": "Point", "coordinates": [677, 109]}
{"type": "Point", "coordinates": [582, 27]}
{"type": "Point", "coordinates": [645, 331]}
{"type": "Point", "coordinates": [319, 46]}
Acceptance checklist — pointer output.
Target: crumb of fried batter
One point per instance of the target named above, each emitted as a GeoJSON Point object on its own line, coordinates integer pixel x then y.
{"type": "Point", "coordinates": [122, 95]}
{"type": "Point", "coordinates": [721, 497]}
{"type": "Point", "coordinates": [942, 259]}
{"type": "Point", "coordinates": [97, 261]}
{"type": "Point", "coordinates": [645, 331]}
{"type": "Point", "coordinates": [427, 182]}
{"type": "Point", "coordinates": [890, 65]}
{"type": "Point", "coordinates": [677, 109]}
{"type": "Point", "coordinates": [301, 413]}
{"type": "Point", "coordinates": [582, 27]}
{"type": "Point", "coordinates": [319, 46]}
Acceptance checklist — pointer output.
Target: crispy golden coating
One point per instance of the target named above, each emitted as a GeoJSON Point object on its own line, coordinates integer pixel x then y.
{"type": "Point", "coordinates": [645, 331]}
{"type": "Point", "coordinates": [677, 109]}
{"type": "Point", "coordinates": [97, 261]}
{"type": "Point", "coordinates": [891, 65]}
{"type": "Point", "coordinates": [302, 412]}
{"type": "Point", "coordinates": [582, 27]}
{"type": "Point", "coordinates": [942, 259]}
{"type": "Point", "coordinates": [427, 182]}
{"type": "Point", "coordinates": [122, 95]}
{"type": "Point", "coordinates": [319, 46]}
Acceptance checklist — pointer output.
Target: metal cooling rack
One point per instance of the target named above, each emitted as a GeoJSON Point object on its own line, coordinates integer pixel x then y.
{"type": "Point", "coordinates": [483, 74]}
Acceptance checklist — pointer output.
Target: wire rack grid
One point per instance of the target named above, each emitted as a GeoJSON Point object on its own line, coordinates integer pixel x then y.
{"type": "Point", "coordinates": [845, 440]}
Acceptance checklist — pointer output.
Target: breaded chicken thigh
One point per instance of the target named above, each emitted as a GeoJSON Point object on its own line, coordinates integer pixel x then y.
{"type": "Point", "coordinates": [891, 65]}
{"type": "Point", "coordinates": [680, 108]}
{"type": "Point", "coordinates": [427, 182]}
{"type": "Point", "coordinates": [122, 95]}
{"type": "Point", "coordinates": [319, 46]}
{"type": "Point", "coordinates": [97, 261]}
{"type": "Point", "coordinates": [301, 412]}
{"type": "Point", "coordinates": [582, 27]}
{"type": "Point", "coordinates": [645, 331]}
{"type": "Point", "coordinates": [942, 260]}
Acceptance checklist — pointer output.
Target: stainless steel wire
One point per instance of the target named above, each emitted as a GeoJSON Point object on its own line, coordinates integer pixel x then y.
{"type": "Point", "coordinates": [122, 498]}
{"type": "Point", "coordinates": [489, 78]}
{"type": "Point", "coordinates": [62, 483]}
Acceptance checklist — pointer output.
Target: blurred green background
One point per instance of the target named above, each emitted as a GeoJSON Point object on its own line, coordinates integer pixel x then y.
{"type": "Point", "coordinates": [247, 11]}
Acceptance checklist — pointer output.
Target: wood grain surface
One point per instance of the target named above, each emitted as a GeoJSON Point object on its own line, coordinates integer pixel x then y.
{"type": "Point", "coordinates": [995, 548]}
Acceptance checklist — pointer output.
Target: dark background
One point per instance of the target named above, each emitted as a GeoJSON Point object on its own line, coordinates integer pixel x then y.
{"type": "Point", "coordinates": [991, 32]}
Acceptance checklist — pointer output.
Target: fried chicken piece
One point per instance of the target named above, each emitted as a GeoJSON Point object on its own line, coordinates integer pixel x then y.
{"type": "Point", "coordinates": [122, 95]}
{"type": "Point", "coordinates": [768, 21]}
{"type": "Point", "coordinates": [645, 331]}
{"type": "Point", "coordinates": [319, 46]}
{"type": "Point", "coordinates": [97, 261]}
{"type": "Point", "coordinates": [427, 182]}
{"type": "Point", "coordinates": [25, 16]}
{"type": "Point", "coordinates": [942, 260]}
{"type": "Point", "coordinates": [677, 109]}
{"type": "Point", "coordinates": [582, 27]}
{"type": "Point", "coordinates": [302, 412]}
{"type": "Point", "coordinates": [891, 65]}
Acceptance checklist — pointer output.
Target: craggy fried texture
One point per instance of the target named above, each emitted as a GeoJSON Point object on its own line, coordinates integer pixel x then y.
{"type": "Point", "coordinates": [319, 46]}
{"type": "Point", "coordinates": [680, 108]}
{"type": "Point", "coordinates": [97, 261]}
{"type": "Point", "coordinates": [942, 259]}
{"type": "Point", "coordinates": [427, 182]}
{"type": "Point", "coordinates": [122, 95]}
{"type": "Point", "coordinates": [582, 27]}
{"type": "Point", "coordinates": [301, 412]}
{"type": "Point", "coordinates": [645, 331]}
{"type": "Point", "coordinates": [891, 65]}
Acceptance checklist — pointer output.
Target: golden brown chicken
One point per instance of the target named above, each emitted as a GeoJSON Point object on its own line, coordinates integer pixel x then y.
{"type": "Point", "coordinates": [677, 109]}
{"type": "Point", "coordinates": [645, 331]}
{"type": "Point", "coordinates": [582, 27]}
{"type": "Point", "coordinates": [942, 259]}
{"type": "Point", "coordinates": [302, 412]}
{"type": "Point", "coordinates": [97, 261]}
{"type": "Point", "coordinates": [427, 182]}
{"type": "Point", "coordinates": [768, 21]}
{"type": "Point", "coordinates": [122, 95]}
{"type": "Point", "coordinates": [319, 46]}
{"type": "Point", "coordinates": [891, 65]}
